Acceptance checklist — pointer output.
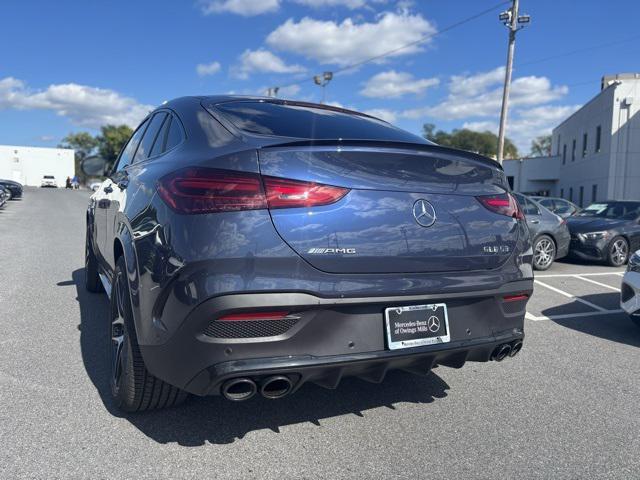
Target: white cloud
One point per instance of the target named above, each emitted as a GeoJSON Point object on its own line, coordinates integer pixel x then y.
{"type": "Point", "coordinates": [383, 114]}
{"type": "Point", "coordinates": [480, 95]}
{"type": "Point", "coordinates": [392, 84]}
{"type": "Point", "coordinates": [352, 4]}
{"type": "Point", "coordinates": [85, 106]}
{"type": "Point", "coordinates": [204, 69]}
{"type": "Point", "coordinates": [328, 42]}
{"type": "Point", "coordinates": [245, 8]}
{"type": "Point", "coordinates": [477, 100]}
{"type": "Point", "coordinates": [527, 124]}
{"type": "Point", "coordinates": [262, 61]}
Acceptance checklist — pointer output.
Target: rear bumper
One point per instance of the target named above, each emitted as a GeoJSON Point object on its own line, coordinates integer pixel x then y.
{"type": "Point", "coordinates": [332, 338]}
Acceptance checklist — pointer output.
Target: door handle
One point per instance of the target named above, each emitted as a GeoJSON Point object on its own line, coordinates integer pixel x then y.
{"type": "Point", "coordinates": [108, 189]}
{"type": "Point", "coordinates": [535, 221]}
{"type": "Point", "coordinates": [122, 184]}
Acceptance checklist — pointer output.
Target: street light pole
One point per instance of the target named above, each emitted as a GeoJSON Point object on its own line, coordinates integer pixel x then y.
{"type": "Point", "coordinates": [513, 22]}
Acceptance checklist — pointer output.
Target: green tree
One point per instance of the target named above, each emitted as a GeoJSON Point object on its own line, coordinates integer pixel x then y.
{"type": "Point", "coordinates": [83, 144]}
{"type": "Point", "coordinates": [541, 146]}
{"type": "Point", "coordinates": [111, 140]}
{"type": "Point", "coordinates": [484, 143]}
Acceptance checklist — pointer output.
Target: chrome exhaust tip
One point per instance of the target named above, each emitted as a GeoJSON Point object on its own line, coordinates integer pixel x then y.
{"type": "Point", "coordinates": [277, 386]}
{"type": "Point", "coordinates": [239, 389]}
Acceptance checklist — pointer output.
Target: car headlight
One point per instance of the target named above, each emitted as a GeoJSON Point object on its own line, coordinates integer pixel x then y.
{"type": "Point", "coordinates": [634, 263]}
{"type": "Point", "coordinates": [594, 235]}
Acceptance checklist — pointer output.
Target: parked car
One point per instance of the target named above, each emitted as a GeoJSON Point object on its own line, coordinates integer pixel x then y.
{"type": "Point", "coordinates": [15, 188]}
{"type": "Point", "coordinates": [630, 290]}
{"type": "Point", "coordinates": [5, 196]}
{"type": "Point", "coordinates": [559, 206]}
{"type": "Point", "coordinates": [549, 233]}
{"type": "Point", "coordinates": [94, 186]}
{"type": "Point", "coordinates": [252, 245]}
{"type": "Point", "coordinates": [606, 231]}
{"type": "Point", "coordinates": [48, 181]}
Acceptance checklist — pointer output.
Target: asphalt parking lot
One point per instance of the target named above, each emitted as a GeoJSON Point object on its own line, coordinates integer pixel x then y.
{"type": "Point", "coordinates": [566, 407]}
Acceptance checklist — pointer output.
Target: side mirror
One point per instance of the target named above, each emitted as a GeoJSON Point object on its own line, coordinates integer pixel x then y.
{"type": "Point", "coordinates": [94, 166]}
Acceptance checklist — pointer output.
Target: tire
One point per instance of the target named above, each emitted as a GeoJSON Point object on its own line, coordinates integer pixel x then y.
{"type": "Point", "coordinates": [544, 252]}
{"type": "Point", "coordinates": [91, 278]}
{"type": "Point", "coordinates": [618, 252]}
{"type": "Point", "coordinates": [133, 388]}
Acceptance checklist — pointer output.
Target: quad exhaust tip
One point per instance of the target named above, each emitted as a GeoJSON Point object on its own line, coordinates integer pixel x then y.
{"type": "Point", "coordinates": [506, 350]}
{"type": "Point", "coordinates": [501, 352]}
{"type": "Point", "coordinates": [239, 389]}
{"type": "Point", "coordinates": [515, 349]}
{"type": "Point", "coordinates": [277, 386]}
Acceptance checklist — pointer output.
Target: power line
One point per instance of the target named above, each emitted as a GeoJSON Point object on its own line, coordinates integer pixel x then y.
{"type": "Point", "coordinates": [422, 39]}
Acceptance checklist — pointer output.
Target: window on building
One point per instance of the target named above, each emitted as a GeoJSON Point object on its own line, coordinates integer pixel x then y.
{"type": "Point", "coordinates": [581, 198]}
{"type": "Point", "coordinates": [598, 134]}
{"type": "Point", "coordinates": [558, 147]}
{"type": "Point", "coordinates": [573, 150]}
{"type": "Point", "coordinates": [564, 154]}
{"type": "Point", "coordinates": [562, 193]}
{"type": "Point", "coordinates": [584, 145]}
{"type": "Point", "coordinates": [594, 192]}
{"type": "Point", "coordinates": [571, 194]}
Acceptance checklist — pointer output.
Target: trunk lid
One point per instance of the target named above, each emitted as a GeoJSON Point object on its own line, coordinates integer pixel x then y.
{"type": "Point", "coordinates": [373, 229]}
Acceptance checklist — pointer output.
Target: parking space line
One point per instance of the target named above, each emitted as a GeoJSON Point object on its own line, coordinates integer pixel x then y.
{"type": "Point", "coordinates": [598, 283]}
{"type": "Point", "coordinates": [573, 297]}
{"type": "Point", "coordinates": [560, 275]}
{"type": "Point", "coordinates": [566, 316]}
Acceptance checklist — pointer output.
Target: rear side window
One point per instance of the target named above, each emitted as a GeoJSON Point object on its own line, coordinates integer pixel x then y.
{"type": "Point", "coordinates": [528, 207]}
{"type": "Point", "coordinates": [150, 136]}
{"type": "Point", "coordinates": [174, 134]}
{"type": "Point", "coordinates": [547, 203]}
{"type": "Point", "coordinates": [127, 153]}
{"type": "Point", "coordinates": [170, 135]}
{"type": "Point", "coordinates": [301, 120]}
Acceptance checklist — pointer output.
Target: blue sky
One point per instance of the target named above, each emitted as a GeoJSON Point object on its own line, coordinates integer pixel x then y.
{"type": "Point", "coordinates": [68, 66]}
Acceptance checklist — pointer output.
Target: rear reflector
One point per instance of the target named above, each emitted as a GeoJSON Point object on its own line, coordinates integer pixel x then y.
{"type": "Point", "coordinates": [504, 204]}
{"type": "Point", "coordinates": [283, 193]}
{"type": "Point", "coordinates": [253, 316]}
{"type": "Point", "coordinates": [516, 298]}
{"type": "Point", "coordinates": [207, 190]}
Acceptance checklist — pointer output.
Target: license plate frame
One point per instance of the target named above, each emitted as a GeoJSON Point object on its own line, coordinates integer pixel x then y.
{"type": "Point", "coordinates": [417, 328]}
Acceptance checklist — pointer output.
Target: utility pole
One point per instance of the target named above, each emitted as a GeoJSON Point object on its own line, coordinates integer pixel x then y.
{"type": "Point", "coordinates": [323, 80]}
{"type": "Point", "coordinates": [513, 22]}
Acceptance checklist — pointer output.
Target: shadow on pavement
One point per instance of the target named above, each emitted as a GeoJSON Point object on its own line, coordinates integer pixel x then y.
{"type": "Point", "coordinates": [216, 420]}
{"type": "Point", "coordinates": [615, 327]}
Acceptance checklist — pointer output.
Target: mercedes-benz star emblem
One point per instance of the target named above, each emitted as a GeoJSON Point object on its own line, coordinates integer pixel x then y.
{"type": "Point", "coordinates": [433, 323]}
{"type": "Point", "coordinates": [424, 213]}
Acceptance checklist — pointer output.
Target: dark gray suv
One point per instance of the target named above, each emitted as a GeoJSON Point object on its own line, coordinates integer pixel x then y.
{"type": "Point", "coordinates": [253, 245]}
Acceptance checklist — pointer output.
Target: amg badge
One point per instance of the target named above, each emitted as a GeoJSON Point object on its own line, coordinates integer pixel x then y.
{"type": "Point", "coordinates": [332, 251]}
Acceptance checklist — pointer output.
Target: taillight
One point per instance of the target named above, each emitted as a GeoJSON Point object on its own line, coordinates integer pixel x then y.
{"type": "Point", "coordinates": [206, 190]}
{"type": "Point", "coordinates": [253, 316]}
{"type": "Point", "coordinates": [283, 193]}
{"type": "Point", "coordinates": [503, 204]}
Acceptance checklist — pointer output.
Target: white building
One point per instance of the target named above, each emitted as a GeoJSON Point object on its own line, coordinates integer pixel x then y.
{"type": "Point", "coordinates": [595, 152]}
{"type": "Point", "coordinates": [28, 165]}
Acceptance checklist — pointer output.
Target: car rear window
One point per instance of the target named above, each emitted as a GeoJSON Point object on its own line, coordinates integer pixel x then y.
{"type": "Point", "coordinates": [308, 121]}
